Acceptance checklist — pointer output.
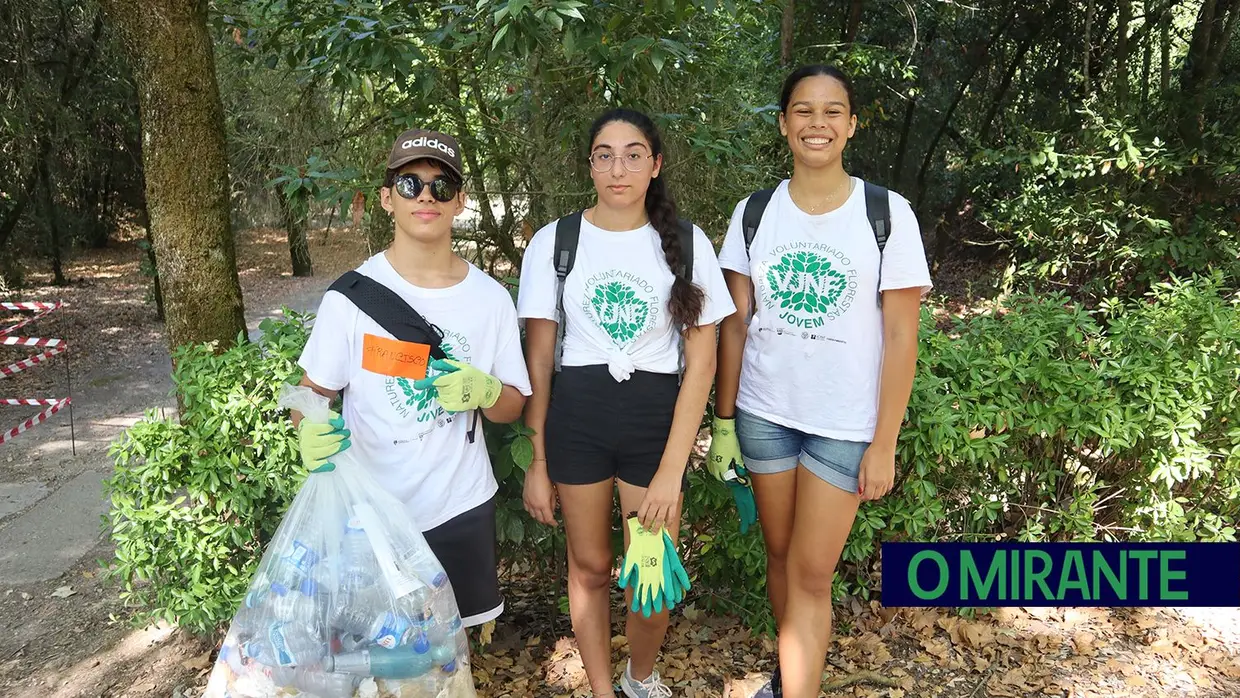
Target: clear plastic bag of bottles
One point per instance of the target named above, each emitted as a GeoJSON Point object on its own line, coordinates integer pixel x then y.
{"type": "Point", "coordinates": [348, 600]}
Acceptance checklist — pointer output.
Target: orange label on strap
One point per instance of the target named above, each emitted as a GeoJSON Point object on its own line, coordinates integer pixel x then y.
{"type": "Point", "coordinates": [391, 357]}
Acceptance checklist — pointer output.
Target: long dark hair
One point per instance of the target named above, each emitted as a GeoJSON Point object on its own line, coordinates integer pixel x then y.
{"type": "Point", "coordinates": [686, 301]}
{"type": "Point", "coordinates": [812, 70]}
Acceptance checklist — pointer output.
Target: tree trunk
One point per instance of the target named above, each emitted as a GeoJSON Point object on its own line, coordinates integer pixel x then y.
{"type": "Point", "coordinates": [787, 28]}
{"type": "Point", "coordinates": [185, 165]}
{"type": "Point", "coordinates": [1215, 23]}
{"type": "Point", "coordinates": [983, 53]}
{"type": "Point", "coordinates": [953, 214]}
{"type": "Point", "coordinates": [853, 25]}
{"type": "Point", "coordinates": [294, 221]}
{"type": "Point", "coordinates": [1164, 78]}
{"type": "Point", "coordinates": [1121, 53]}
{"type": "Point", "coordinates": [897, 170]}
{"type": "Point", "coordinates": [1089, 27]}
{"type": "Point", "coordinates": [53, 223]}
{"type": "Point", "coordinates": [150, 257]}
{"type": "Point", "coordinates": [8, 223]}
{"type": "Point", "coordinates": [1147, 50]}
{"type": "Point", "coordinates": [379, 227]}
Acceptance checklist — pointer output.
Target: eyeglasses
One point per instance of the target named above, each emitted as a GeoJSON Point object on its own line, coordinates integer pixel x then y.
{"type": "Point", "coordinates": [604, 161]}
{"type": "Point", "coordinates": [410, 186]}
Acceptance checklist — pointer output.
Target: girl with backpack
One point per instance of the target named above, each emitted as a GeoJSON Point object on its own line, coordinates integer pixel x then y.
{"type": "Point", "coordinates": [815, 371]}
{"type": "Point", "coordinates": [632, 354]}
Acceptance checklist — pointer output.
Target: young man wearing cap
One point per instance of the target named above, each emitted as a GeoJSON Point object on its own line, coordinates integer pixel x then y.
{"type": "Point", "coordinates": [416, 431]}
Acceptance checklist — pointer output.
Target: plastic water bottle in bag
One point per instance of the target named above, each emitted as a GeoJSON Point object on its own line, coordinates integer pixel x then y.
{"type": "Point", "coordinates": [399, 663]}
{"type": "Point", "coordinates": [348, 595]}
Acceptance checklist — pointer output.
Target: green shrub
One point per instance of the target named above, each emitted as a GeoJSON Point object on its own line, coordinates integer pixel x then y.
{"type": "Point", "coordinates": [1113, 207]}
{"type": "Point", "coordinates": [194, 501]}
{"type": "Point", "coordinates": [1037, 421]}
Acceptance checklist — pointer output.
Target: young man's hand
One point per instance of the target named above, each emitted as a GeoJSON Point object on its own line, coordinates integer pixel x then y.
{"type": "Point", "coordinates": [318, 442]}
{"type": "Point", "coordinates": [462, 387]}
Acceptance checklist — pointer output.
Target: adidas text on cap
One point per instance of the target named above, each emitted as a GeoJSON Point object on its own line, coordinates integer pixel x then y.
{"type": "Point", "coordinates": [417, 144]}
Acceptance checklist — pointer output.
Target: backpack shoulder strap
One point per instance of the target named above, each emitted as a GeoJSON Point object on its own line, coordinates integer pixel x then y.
{"type": "Point", "coordinates": [878, 209]}
{"type": "Point", "coordinates": [686, 247]}
{"type": "Point", "coordinates": [567, 234]}
{"type": "Point", "coordinates": [752, 217]}
{"type": "Point", "coordinates": [389, 310]}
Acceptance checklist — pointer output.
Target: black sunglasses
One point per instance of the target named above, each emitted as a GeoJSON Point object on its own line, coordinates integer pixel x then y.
{"type": "Point", "coordinates": [410, 186]}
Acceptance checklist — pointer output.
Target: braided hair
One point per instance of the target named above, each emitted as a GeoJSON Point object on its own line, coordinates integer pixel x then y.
{"type": "Point", "coordinates": [686, 300]}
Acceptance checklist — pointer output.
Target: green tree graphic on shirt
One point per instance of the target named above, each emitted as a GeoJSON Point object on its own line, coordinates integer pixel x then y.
{"type": "Point", "coordinates": [619, 311]}
{"type": "Point", "coordinates": [421, 400]}
{"type": "Point", "coordinates": [805, 282]}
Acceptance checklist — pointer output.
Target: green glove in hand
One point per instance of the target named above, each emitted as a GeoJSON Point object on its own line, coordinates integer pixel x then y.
{"type": "Point", "coordinates": [725, 449]}
{"type": "Point", "coordinates": [725, 462]}
{"type": "Point", "coordinates": [737, 479]}
{"type": "Point", "coordinates": [675, 578]}
{"type": "Point", "coordinates": [318, 442]}
{"type": "Point", "coordinates": [461, 387]}
{"type": "Point", "coordinates": [642, 569]}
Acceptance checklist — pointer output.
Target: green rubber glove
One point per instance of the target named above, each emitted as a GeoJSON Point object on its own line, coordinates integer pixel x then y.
{"type": "Point", "coordinates": [318, 442]}
{"type": "Point", "coordinates": [737, 479]}
{"type": "Point", "coordinates": [629, 572]}
{"type": "Point", "coordinates": [462, 387]}
{"type": "Point", "coordinates": [646, 553]}
{"type": "Point", "coordinates": [676, 579]}
{"type": "Point", "coordinates": [725, 449]}
{"type": "Point", "coordinates": [725, 462]}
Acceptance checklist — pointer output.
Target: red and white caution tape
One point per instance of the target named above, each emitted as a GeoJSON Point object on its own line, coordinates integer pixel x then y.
{"type": "Point", "coordinates": [31, 342]}
{"type": "Point", "coordinates": [19, 366]}
{"type": "Point", "coordinates": [37, 419]}
{"type": "Point", "coordinates": [44, 309]}
{"type": "Point", "coordinates": [31, 305]}
{"type": "Point", "coordinates": [55, 346]}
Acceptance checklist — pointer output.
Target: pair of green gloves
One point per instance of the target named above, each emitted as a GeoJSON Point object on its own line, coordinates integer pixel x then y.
{"type": "Point", "coordinates": [724, 461]}
{"type": "Point", "coordinates": [460, 388]}
{"type": "Point", "coordinates": [653, 570]}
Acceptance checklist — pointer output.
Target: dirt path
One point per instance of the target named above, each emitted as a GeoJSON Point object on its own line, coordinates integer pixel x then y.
{"type": "Point", "coordinates": [67, 635]}
{"type": "Point", "coordinates": [66, 626]}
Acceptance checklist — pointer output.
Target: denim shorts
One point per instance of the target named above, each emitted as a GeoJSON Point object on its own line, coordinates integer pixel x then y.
{"type": "Point", "coordinates": [770, 448]}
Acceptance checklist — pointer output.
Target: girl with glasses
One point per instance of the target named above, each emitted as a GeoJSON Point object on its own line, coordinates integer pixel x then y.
{"type": "Point", "coordinates": [811, 391]}
{"type": "Point", "coordinates": [619, 414]}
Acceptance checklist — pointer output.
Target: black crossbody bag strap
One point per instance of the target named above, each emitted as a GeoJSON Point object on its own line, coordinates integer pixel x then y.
{"type": "Point", "coordinates": [392, 313]}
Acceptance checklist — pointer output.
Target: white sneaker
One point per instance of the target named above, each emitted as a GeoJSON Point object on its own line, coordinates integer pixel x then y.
{"type": "Point", "coordinates": [652, 687]}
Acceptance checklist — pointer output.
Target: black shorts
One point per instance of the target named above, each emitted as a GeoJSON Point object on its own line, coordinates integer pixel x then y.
{"type": "Point", "coordinates": [598, 429]}
{"type": "Point", "coordinates": [465, 546]}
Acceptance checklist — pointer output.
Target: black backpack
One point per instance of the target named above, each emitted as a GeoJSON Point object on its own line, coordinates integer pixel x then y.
{"type": "Point", "coordinates": [567, 234]}
{"type": "Point", "coordinates": [877, 208]}
{"type": "Point", "coordinates": [393, 314]}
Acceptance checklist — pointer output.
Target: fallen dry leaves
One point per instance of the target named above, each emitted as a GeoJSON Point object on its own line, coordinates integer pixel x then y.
{"type": "Point", "coordinates": [888, 653]}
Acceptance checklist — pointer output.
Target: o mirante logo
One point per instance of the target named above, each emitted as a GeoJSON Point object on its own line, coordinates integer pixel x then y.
{"type": "Point", "coordinates": [1061, 574]}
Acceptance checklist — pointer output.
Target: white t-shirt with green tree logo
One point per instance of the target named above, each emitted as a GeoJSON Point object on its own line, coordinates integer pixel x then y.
{"type": "Point", "coordinates": [615, 297]}
{"type": "Point", "coordinates": [813, 351]}
{"type": "Point", "coordinates": [414, 448]}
